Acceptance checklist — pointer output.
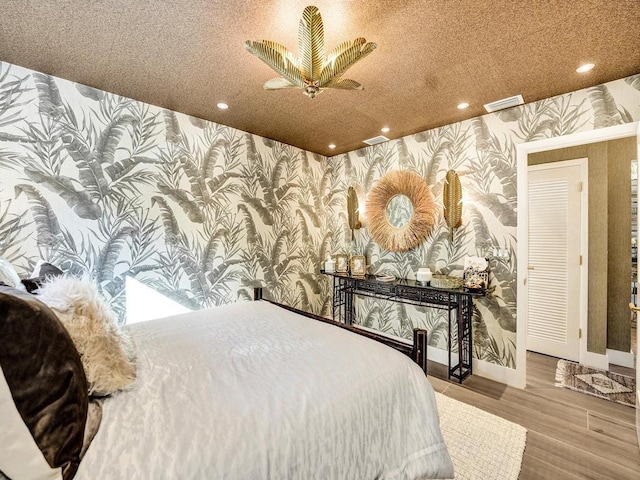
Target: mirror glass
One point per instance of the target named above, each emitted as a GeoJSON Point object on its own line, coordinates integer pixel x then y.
{"type": "Point", "coordinates": [399, 211]}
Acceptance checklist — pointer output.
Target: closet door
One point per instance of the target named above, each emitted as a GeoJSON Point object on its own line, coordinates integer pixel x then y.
{"type": "Point", "coordinates": [554, 277]}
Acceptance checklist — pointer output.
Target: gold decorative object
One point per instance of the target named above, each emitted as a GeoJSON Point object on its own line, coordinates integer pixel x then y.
{"type": "Point", "coordinates": [445, 281]}
{"type": "Point", "coordinates": [342, 263]}
{"type": "Point", "coordinates": [452, 199]}
{"type": "Point", "coordinates": [353, 211]}
{"type": "Point", "coordinates": [312, 70]}
{"type": "Point", "coordinates": [358, 265]}
{"type": "Point", "coordinates": [400, 211]}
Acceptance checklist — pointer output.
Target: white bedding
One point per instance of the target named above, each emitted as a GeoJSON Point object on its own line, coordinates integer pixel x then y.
{"type": "Point", "coordinates": [252, 391]}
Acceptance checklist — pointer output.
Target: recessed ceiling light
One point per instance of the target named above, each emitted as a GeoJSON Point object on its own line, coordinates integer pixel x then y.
{"type": "Point", "coordinates": [222, 106]}
{"type": "Point", "coordinates": [463, 105]}
{"type": "Point", "coordinates": [585, 67]}
{"type": "Point", "coordinates": [331, 145]}
{"type": "Point", "coordinates": [385, 129]}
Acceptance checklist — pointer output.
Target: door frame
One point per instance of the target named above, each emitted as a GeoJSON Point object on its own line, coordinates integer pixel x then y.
{"type": "Point", "coordinates": [523, 150]}
{"type": "Point", "coordinates": [584, 244]}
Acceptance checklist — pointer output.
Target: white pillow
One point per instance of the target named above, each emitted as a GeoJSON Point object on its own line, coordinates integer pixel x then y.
{"type": "Point", "coordinates": [36, 269]}
{"type": "Point", "coordinates": [8, 274]}
{"type": "Point", "coordinates": [107, 353]}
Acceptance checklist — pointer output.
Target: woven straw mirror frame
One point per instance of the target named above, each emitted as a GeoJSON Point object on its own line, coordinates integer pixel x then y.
{"type": "Point", "coordinates": [414, 232]}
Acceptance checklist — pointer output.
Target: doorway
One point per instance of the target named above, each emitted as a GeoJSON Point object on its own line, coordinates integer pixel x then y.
{"type": "Point", "coordinates": [523, 151]}
{"type": "Point", "coordinates": [557, 238]}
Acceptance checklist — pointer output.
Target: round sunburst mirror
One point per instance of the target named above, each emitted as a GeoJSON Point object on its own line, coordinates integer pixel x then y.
{"type": "Point", "coordinates": [400, 210]}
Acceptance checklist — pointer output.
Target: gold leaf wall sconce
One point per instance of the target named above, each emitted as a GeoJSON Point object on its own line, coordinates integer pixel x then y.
{"type": "Point", "coordinates": [452, 200]}
{"type": "Point", "coordinates": [353, 211]}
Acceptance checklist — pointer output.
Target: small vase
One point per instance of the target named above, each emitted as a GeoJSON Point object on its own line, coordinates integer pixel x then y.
{"type": "Point", "coordinates": [329, 265]}
{"type": "Point", "coordinates": [423, 276]}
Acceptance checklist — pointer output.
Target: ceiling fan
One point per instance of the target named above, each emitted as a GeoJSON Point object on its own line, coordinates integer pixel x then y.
{"type": "Point", "coordinates": [312, 70]}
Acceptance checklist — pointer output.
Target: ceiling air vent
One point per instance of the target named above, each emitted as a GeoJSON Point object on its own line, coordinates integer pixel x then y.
{"type": "Point", "coordinates": [504, 103]}
{"type": "Point", "coordinates": [376, 140]}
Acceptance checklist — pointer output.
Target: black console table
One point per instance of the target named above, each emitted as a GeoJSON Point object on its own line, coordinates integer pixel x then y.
{"type": "Point", "coordinates": [411, 292]}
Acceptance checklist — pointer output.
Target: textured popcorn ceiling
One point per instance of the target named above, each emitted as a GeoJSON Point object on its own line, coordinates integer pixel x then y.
{"type": "Point", "coordinates": [431, 55]}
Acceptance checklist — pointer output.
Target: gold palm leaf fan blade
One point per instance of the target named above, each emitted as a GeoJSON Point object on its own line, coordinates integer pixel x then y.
{"type": "Point", "coordinates": [452, 196]}
{"type": "Point", "coordinates": [331, 70]}
{"type": "Point", "coordinates": [344, 84]}
{"type": "Point", "coordinates": [336, 52]}
{"type": "Point", "coordinates": [311, 44]}
{"type": "Point", "coordinates": [284, 51]}
{"type": "Point", "coordinates": [345, 60]}
{"type": "Point", "coordinates": [279, 83]}
{"type": "Point", "coordinates": [276, 61]}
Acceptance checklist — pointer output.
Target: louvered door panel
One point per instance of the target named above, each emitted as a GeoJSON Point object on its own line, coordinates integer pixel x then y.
{"type": "Point", "coordinates": [553, 314]}
{"type": "Point", "coordinates": [548, 252]}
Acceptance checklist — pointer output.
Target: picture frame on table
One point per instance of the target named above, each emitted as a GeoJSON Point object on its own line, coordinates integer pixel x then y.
{"type": "Point", "coordinates": [358, 264]}
{"type": "Point", "coordinates": [342, 263]}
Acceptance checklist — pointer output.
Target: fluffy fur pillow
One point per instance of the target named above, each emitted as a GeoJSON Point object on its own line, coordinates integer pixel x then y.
{"type": "Point", "coordinates": [107, 353]}
{"type": "Point", "coordinates": [43, 272]}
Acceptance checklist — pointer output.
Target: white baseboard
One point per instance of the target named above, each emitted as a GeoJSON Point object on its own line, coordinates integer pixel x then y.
{"type": "Point", "coordinates": [498, 373]}
{"type": "Point", "coordinates": [437, 355]}
{"type": "Point", "coordinates": [481, 368]}
{"type": "Point", "coordinates": [623, 359]}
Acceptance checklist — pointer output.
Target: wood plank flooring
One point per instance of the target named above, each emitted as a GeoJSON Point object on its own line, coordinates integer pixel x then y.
{"type": "Point", "coordinates": [570, 435]}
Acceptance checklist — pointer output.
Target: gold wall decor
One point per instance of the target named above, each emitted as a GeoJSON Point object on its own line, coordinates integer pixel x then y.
{"type": "Point", "coordinates": [353, 211]}
{"type": "Point", "coordinates": [452, 199]}
{"type": "Point", "coordinates": [400, 211]}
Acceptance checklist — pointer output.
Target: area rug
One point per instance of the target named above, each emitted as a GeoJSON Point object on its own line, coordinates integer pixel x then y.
{"type": "Point", "coordinates": [482, 446]}
{"type": "Point", "coordinates": [599, 383]}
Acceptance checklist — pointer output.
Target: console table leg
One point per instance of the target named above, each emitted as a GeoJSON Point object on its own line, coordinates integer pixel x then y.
{"type": "Point", "coordinates": [449, 343]}
{"type": "Point", "coordinates": [461, 341]}
{"type": "Point", "coordinates": [467, 335]}
{"type": "Point", "coordinates": [348, 307]}
{"type": "Point", "coordinates": [339, 312]}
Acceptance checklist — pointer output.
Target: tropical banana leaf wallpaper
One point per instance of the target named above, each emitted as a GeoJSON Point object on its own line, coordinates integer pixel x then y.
{"type": "Point", "coordinates": [483, 152]}
{"type": "Point", "coordinates": [97, 183]}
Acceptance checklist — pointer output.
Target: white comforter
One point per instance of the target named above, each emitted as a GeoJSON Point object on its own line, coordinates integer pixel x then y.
{"type": "Point", "coordinates": [252, 391]}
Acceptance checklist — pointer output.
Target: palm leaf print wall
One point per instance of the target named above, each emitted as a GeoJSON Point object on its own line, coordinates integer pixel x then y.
{"type": "Point", "coordinates": [109, 186]}
{"type": "Point", "coordinates": [483, 152]}
{"type": "Point", "coordinates": [100, 184]}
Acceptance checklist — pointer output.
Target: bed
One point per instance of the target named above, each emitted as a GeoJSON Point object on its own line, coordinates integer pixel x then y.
{"type": "Point", "coordinates": [255, 391]}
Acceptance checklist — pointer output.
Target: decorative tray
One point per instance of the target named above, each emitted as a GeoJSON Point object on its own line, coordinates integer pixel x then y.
{"type": "Point", "coordinates": [446, 281]}
{"type": "Point", "coordinates": [385, 278]}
